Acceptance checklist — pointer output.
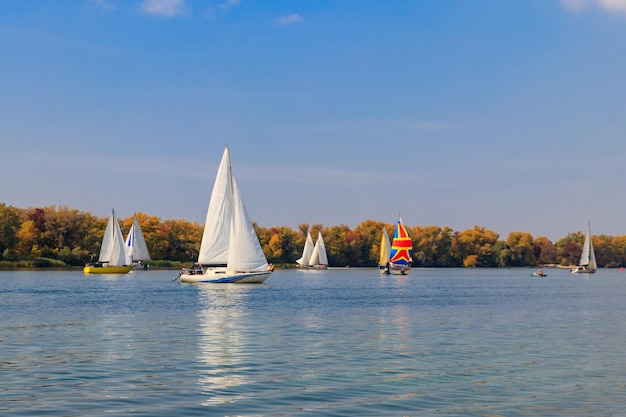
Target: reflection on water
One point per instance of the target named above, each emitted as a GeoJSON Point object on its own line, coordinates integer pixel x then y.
{"type": "Point", "coordinates": [220, 342]}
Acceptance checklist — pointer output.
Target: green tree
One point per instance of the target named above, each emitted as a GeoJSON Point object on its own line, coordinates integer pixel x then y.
{"type": "Point", "coordinates": [432, 246]}
{"type": "Point", "coordinates": [9, 226]}
{"type": "Point", "coordinates": [503, 254]}
{"type": "Point", "coordinates": [478, 242]}
{"type": "Point", "coordinates": [337, 245]}
{"type": "Point", "coordinates": [365, 244]}
{"type": "Point", "coordinates": [605, 251]}
{"type": "Point", "coordinates": [522, 249]}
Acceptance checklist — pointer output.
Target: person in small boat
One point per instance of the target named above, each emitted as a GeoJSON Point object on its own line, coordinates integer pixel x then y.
{"type": "Point", "coordinates": [540, 271]}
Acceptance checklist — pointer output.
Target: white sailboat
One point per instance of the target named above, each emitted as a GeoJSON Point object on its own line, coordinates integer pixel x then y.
{"type": "Point", "coordinates": [587, 263]}
{"type": "Point", "coordinates": [113, 258]}
{"type": "Point", "coordinates": [303, 262]}
{"type": "Point", "coordinates": [230, 251]}
{"type": "Point", "coordinates": [385, 253]}
{"type": "Point", "coordinates": [136, 245]}
{"type": "Point", "coordinates": [319, 259]}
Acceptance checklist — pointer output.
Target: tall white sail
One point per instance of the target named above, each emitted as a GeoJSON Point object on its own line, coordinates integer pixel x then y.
{"type": "Point", "coordinates": [588, 257]}
{"type": "Point", "coordinates": [136, 244]}
{"type": "Point", "coordinates": [323, 256]}
{"type": "Point", "coordinates": [245, 253]}
{"type": "Point", "coordinates": [107, 241]}
{"type": "Point", "coordinates": [319, 257]}
{"type": "Point", "coordinates": [307, 251]}
{"type": "Point", "coordinates": [216, 235]}
{"type": "Point", "coordinates": [113, 251]}
{"type": "Point", "coordinates": [592, 257]}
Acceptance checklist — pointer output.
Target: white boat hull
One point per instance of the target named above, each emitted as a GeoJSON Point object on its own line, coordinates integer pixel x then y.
{"type": "Point", "coordinates": [397, 269]}
{"type": "Point", "coordinates": [312, 267]}
{"type": "Point", "coordinates": [583, 271]}
{"type": "Point", "coordinates": [222, 277]}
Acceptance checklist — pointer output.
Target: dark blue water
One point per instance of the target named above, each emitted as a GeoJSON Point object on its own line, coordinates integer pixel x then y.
{"type": "Point", "coordinates": [448, 342]}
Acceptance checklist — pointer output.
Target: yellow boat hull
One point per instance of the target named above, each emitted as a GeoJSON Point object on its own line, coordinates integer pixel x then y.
{"type": "Point", "coordinates": [91, 269]}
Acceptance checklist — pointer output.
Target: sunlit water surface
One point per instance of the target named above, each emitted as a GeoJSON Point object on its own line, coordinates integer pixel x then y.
{"type": "Point", "coordinates": [439, 342]}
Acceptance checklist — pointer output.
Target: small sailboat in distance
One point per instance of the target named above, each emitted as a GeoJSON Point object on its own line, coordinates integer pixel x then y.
{"type": "Point", "coordinates": [385, 251]}
{"type": "Point", "coordinates": [401, 250]}
{"type": "Point", "coordinates": [113, 257]}
{"type": "Point", "coordinates": [136, 245]}
{"type": "Point", "coordinates": [587, 263]}
{"type": "Point", "coordinates": [319, 258]}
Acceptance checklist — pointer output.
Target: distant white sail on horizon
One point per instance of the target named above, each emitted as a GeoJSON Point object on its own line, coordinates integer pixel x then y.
{"type": "Point", "coordinates": [136, 244]}
{"type": "Point", "coordinates": [113, 251]}
{"type": "Point", "coordinates": [306, 252]}
{"type": "Point", "coordinates": [588, 257]}
{"type": "Point", "coordinates": [319, 257]}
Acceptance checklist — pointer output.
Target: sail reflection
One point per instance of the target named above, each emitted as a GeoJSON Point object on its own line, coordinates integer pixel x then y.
{"type": "Point", "coordinates": [222, 344]}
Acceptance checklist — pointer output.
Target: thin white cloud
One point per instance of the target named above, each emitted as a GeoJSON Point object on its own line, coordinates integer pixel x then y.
{"type": "Point", "coordinates": [165, 8]}
{"type": "Point", "coordinates": [222, 8]}
{"type": "Point", "coordinates": [609, 5]}
{"type": "Point", "coordinates": [288, 19]}
{"type": "Point", "coordinates": [105, 5]}
{"type": "Point", "coordinates": [228, 4]}
{"type": "Point", "coordinates": [614, 5]}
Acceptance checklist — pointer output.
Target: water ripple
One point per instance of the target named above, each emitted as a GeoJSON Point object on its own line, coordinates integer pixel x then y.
{"type": "Point", "coordinates": [333, 343]}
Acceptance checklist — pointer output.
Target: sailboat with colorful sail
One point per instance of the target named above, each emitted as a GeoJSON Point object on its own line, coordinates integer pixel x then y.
{"type": "Point", "coordinates": [230, 251]}
{"type": "Point", "coordinates": [385, 253]}
{"type": "Point", "coordinates": [136, 245]}
{"type": "Point", "coordinates": [587, 263]}
{"type": "Point", "coordinates": [401, 253]}
{"type": "Point", "coordinates": [113, 257]}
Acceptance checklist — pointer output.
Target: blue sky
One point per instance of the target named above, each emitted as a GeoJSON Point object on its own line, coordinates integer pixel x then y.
{"type": "Point", "coordinates": [503, 114]}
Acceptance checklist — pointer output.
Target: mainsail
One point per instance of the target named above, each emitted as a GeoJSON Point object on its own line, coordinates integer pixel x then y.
{"type": "Point", "coordinates": [136, 244]}
{"type": "Point", "coordinates": [385, 249]}
{"type": "Point", "coordinates": [112, 251]}
{"type": "Point", "coordinates": [216, 235]}
{"type": "Point", "coordinates": [306, 252]}
{"type": "Point", "coordinates": [319, 257]}
{"type": "Point", "coordinates": [588, 257]}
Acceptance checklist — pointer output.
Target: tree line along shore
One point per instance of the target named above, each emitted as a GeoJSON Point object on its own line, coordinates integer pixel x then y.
{"type": "Point", "coordinates": [62, 236]}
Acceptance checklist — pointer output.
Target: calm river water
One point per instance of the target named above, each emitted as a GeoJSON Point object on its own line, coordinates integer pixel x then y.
{"type": "Point", "coordinates": [439, 342]}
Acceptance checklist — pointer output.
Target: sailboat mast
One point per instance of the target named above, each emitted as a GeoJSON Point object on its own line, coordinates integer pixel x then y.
{"type": "Point", "coordinates": [230, 176]}
{"type": "Point", "coordinates": [114, 220]}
